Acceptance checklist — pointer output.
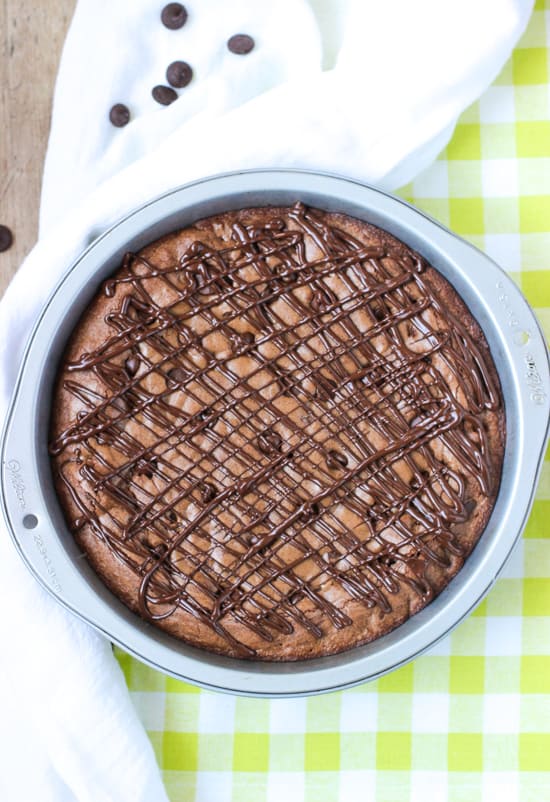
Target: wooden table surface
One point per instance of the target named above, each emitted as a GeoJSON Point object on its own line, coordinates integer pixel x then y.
{"type": "Point", "coordinates": [31, 38]}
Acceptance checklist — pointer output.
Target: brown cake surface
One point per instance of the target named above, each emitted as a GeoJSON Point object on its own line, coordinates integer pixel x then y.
{"type": "Point", "coordinates": [277, 433]}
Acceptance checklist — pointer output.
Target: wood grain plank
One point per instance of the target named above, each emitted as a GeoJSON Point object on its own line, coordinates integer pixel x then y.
{"type": "Point", "coordinates": [31, 38]}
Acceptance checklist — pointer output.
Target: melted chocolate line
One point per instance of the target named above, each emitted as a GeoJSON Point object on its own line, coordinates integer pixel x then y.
{"type": "Point", "coordinates": [72, 435]}
{"type": "Point", "coordinates": [379, 396]}
{"type": "Point", "coordinates": [377, 291]}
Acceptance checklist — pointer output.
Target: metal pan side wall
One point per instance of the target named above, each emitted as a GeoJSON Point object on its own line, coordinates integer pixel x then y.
{"type": "Point", "coordinates": [518, 350]}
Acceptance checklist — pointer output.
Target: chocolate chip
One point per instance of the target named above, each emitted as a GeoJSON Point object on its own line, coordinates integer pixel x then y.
{"type": "Point", "coordinates": [325, 387]}
{"type": "Point", "coordinates": [173, 16]}
{"type": "Point", "coordinates": [226, 281]}
{"type": "Point", "coordinates": [6, 238]}
{"type": "Point", "coordinates": [179, 74]}
{"type": "Point", "coordinates": [330, 556]}
{"type": "Point", "coordinates": [121, 403]}
{"type": "Point", "coordinates": [269, 441]}
{"type": "Point", "coordinates": [132, 366]}
{"type": "Point", "coordinates": [335, 460]}
{"type": "Point", "coordinates": [195, 249]}
{"type": "Point", "coordinates": [240, 44]}
{"type": "Point", "coordinates": [172, 516]}
{"type": "Point", "coordinates": [104, 438]}
{"type": "Point", "coordinates": [470, 506]}
{"type": "Point", "coordinates": [309, 509]}
{"type": "Point", "coordinates": [208, 492]}
{"type": "Point", "coordinates": [146, 467]}
{"type": "Point", "coordinates": [242, 340]}
{"type": "Point", "coordinates": [119, 115]}
{"type": "Point", "coordinates": [178, 375]}
{"type": "Point", "coordinates": [321, 300]}
{"type": "Point", "coordinates": [285, 381]}
{"type": "Point", "coordinates": [158, 550]}
{"type": "Point", "coordinates": [418, 566]}
{"type": "Point", "coordinates": [282, 275]}
{"type": "Point", "coordinates": [164, 94]}
{"type": "Point", "coordinates": [205, 413]}
{"type": "Point", "coordinates": [143, 469]}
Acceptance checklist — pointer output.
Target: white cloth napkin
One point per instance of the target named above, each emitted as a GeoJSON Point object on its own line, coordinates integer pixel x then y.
{"type": "Point", "coordinates": [361, 87]}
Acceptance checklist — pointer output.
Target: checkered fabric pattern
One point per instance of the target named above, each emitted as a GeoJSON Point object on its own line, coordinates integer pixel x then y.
{"type": "Point", "coordinates": [470, 720]}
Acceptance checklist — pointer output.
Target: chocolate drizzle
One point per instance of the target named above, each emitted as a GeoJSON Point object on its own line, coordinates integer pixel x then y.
{"type": "Point", "coordinates": [262, 425]}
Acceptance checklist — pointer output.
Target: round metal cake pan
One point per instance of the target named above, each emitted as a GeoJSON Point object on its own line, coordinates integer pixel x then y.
{"type": "Point", "coordinates": [35, 519]}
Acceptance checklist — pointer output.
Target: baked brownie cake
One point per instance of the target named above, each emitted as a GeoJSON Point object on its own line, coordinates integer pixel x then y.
{"type": "Point", "coordinates": [277, 433]}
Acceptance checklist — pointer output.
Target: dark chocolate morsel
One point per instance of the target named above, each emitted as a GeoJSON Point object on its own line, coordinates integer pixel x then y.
{"type": "Point", "coordinates": [145, 467]}
{"type": "Point", "coordinates": [325, 387]}
{"type": "Point", "coordinates": [336, 460]}
{"type": "Point", "coordinates": [173, 16]}
{"type": "Point", "coordinates": [131, 365]}
{"type": "Point", "coordinates": [157, 551]}
{"type": "Point", "coordinates": [119, 115]}
{"type": "Point", "coordinates": [178, 375]}
{"type": "Point", "coordinates": [241, 340]}
{"type": "Point", "coordinates": [179, 74]}
{"type": "Point", "coordinates": [470, 506]}
{"type": "Point", "coordinates": [6, 238]}
{"type": "Point", "coordinates": [269, 441]}
{"type": "Point", "coordinates": [164, 94]}
{"type": "Point", "coordinates": [309, 510]}
{"type": "Point", "coordinates": [121, 403]}
{"type": "Point", "coordinates": [208, 492]}
{"type": "Point", "coordinates": [240, 44]}
{"type": "Point", "coordinates": [321, 299]}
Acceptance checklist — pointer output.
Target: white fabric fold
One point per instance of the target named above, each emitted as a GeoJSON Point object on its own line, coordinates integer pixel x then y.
{"type": "Point", "coordinates": [359, 87]}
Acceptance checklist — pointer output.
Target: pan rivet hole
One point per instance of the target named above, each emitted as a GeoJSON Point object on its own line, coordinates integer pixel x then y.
{"type": "Point", "coordinates": [522, 337]}
{"type": "Point", "coordinates": [30, 521]}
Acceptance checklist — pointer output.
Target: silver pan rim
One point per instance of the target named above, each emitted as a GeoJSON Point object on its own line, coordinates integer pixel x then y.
{"type": "Point", "coordinates": [519, 352]}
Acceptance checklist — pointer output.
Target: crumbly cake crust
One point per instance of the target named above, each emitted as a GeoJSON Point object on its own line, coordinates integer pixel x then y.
{"type": "Point", "coordinates": [277, 433]}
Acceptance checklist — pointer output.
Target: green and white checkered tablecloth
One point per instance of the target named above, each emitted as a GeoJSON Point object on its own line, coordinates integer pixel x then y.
{"type": "Point", "coordinates": [470, 720]}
